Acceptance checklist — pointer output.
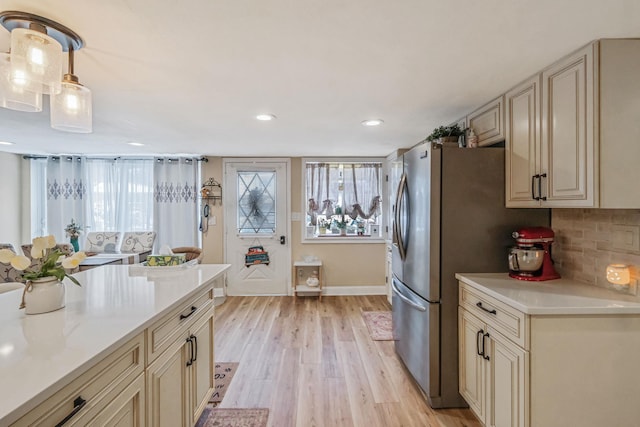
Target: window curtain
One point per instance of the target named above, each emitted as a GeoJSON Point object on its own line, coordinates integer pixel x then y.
{"type": "Point", "coordinates": [176, 183]}
{"type": "Point", "coordinates": [362, 190]}
{"type": "Point", "coordinates": [120, 196]}
{"type": "Point", "coordinates": [323, 197]}
{"type": "Point", "coordinates": [360, 195]}
{"type": "Point", "coordinates": [65, 194]}
{"type": "Point", "coordinates": [38, 172]}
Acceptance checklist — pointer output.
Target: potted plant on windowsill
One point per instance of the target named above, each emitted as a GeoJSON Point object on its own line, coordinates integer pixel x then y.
{"type": "Point", "coordinates": [446, 134]}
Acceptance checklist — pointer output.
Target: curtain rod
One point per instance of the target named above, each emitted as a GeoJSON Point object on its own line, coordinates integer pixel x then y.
{"type": "Point", "coordinates": [158, 158]}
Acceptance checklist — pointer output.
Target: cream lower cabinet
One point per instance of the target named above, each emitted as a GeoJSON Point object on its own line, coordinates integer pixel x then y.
{"type": "Point", "coordinates": [180, 380]}
{"type": "Point", "coordinates": [110, 393]}
{"type": "Point", "coordinates": [492, 373]}
{"type": "Point", "coordinates": [546, 370]}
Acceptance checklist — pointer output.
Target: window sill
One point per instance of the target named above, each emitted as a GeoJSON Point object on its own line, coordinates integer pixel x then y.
{"type": "Point", "coordinates": [337, 238]}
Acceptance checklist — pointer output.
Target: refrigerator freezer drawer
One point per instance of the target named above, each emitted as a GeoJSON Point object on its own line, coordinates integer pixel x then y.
{"type": "Point", "coordinates": [416, 326]}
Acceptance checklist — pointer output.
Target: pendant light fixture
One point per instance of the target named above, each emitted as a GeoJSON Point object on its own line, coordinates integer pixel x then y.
{"type": "Point", "coordinates": [14, 93]}
{"type": "Point", "coordinates": [71, 108]}
{"type": "Point", "coordinates": [37, 46]}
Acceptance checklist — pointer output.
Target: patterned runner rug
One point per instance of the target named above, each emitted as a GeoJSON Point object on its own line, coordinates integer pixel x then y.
{"type": "Point", "coordinates": [224, 373]}
{"type": "Point", "coordinates": [232, 417]}
{"type": "Point", "coordinates": [379, 325]}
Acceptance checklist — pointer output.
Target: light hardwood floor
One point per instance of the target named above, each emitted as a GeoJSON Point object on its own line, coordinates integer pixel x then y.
{"type": "Point", "coordinates": [313, 364]}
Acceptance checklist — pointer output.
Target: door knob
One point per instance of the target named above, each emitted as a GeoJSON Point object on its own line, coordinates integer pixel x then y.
{"type": "Point", "coordinates": [283, 240]}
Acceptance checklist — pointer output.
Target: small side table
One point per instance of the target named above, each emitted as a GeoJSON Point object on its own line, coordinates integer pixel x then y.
{"type": "Point", "coordinates": [301, 271]}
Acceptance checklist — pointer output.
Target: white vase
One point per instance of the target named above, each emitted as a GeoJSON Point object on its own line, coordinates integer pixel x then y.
{"type": "Point", "coordinates": [44, 295]}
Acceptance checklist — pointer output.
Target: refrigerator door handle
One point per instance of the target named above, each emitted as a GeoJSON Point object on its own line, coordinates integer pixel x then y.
{"type": "Point", "coordinates": [397, 229]}
{"type": "Point", "coordinates": [411, 302]}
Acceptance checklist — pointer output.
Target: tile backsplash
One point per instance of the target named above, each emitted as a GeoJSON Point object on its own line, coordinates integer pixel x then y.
{"type": "Point", "coordinates": [587, 240]}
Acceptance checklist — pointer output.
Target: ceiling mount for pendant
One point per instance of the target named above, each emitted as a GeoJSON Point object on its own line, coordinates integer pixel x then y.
{"type": "Point", "coordinates": [63, 35]}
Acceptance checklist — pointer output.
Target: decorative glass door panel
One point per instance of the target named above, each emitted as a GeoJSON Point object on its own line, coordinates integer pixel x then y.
{"type": "Point", "coordinates": [256, 234]}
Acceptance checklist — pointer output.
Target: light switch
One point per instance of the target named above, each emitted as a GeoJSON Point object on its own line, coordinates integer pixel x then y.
{"type": "Point", "coordinates": [295, 216]}
{"type": "Point", "coordinates": [212, 220]}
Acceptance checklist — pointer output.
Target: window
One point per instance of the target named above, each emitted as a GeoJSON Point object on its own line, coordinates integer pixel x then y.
{"type": "Point", "coordinates": [343, 199]}
{"type": "Point", "coordinates": [256, 202]}
{"type": "Point", "coordinates": [121, 194]}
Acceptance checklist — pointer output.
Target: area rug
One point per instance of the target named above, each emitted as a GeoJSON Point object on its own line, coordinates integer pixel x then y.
{"type": "Point", "coordinates": [379, 325]}
{"type": "Point", "coordinates": [224, 373]}
{"type": "Point", "coordinates": [232, 417]}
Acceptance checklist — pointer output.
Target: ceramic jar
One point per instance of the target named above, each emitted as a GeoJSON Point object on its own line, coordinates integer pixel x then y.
{"type": "Point", "coordinates": [44, 295]}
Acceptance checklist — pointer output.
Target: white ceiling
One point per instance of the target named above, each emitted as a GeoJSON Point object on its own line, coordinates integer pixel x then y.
{"type": "Point", "coordinates": [189, 76]}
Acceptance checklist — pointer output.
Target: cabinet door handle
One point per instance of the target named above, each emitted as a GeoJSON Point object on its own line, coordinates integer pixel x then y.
{"type": "Point", "coordinates": [193, 310]}
{"type": "Point", "coordinates": [190, 361]}
{"type": "Point", "coordinates": [479, 334]}
{"type": "Point", "coordinates": [544, 175]}
{"type": "Point", "coordinates": [479, 305]}
{"type": "Point", "coordinates": [484, 354]}
{"type": "Point", "coordinates": [533, 186]}
{"type": "Point", "coordinates": [78, 404]}
{"type": "Point", "coordinates": [195, 344]}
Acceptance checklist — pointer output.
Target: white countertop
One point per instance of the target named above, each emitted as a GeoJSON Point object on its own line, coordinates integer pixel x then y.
{"type": "Point", "coordinates": [39, 354]}
{"type": "Point", "coordinates": [551, 297]}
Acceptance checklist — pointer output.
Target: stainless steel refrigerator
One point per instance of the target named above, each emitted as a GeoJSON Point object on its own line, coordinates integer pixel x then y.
{"type": "Point", "coordinates": [450, 217]}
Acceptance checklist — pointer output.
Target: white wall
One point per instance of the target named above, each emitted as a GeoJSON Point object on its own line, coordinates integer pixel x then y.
{"type": "Point", "coordinates": [14, 198]}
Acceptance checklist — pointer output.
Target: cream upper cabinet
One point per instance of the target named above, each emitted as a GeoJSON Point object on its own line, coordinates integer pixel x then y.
{"type": "Point", "coordinates": [572, 131]}
{"type": "Point", "coordinates": [568, 145]}
{"type": "Point", "coordinates": [487, 122]}
{"type": "Point", "coordinates": [550, 143]}
{"type": "Point", "coordinates": [523, 143]}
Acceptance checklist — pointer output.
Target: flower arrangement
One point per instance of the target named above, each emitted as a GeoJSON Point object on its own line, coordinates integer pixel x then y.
{"type": "Point", "coordinates": [73, 230]}
{"type": "Point", "coordinates": [342, 221]}
{"type": "Point", "coordinates": [324, 223]}
{"type": "Point", "coordinates": [53, 263]}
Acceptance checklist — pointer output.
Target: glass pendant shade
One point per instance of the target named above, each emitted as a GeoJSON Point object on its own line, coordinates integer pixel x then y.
{"type": "Point", "coordinates": [13, 93]}
{"type": "Point", "coordinates": [71, 108]}
{"type": "Point", "coordinates": [36, 58]}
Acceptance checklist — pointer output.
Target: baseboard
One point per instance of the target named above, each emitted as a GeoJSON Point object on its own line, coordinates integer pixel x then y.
{"type": "Point", "coordinates": [354, 290]}
{"type": "Point", "coordinates": [330, 291]}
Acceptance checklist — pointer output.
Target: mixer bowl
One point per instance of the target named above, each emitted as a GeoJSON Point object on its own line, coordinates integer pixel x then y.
{"type": "Point", "coordinates": [525, 259]}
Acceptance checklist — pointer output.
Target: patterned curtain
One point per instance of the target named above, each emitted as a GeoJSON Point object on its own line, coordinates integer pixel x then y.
{"type": "Point", "coordinates": [66, 193]}
{"type": "Point", "coordinates": [176, 185]}
{"type": "Point", "coordinates": [359, 194]}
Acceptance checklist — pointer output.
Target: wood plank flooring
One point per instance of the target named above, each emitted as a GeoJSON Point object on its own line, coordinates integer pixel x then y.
{"type": "Point", "coordinates": [313, 364]}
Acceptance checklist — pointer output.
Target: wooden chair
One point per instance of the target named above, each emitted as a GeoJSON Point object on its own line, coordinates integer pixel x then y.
{"type": "Point", "coordinates": [191, 251]}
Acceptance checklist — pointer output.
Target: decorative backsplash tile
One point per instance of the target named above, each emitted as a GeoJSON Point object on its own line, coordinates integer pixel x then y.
{"type": "Point", "coordinates": [587, 240]}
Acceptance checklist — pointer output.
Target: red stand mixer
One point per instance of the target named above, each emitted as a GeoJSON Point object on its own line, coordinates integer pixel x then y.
{"type": "Point", "coordinates": [530, 259]}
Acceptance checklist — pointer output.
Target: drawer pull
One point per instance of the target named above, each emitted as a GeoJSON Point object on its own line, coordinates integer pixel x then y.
{"type": "Point", "coordinates": [193, 310]}
{"type": "Point", "coordinates": [78, 404]}
{"type": "Point", "coordinates": [479, 305]}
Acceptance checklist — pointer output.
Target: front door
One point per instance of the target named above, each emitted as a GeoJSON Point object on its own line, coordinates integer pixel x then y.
{"type": "Point", "coordinates": [257, 226]}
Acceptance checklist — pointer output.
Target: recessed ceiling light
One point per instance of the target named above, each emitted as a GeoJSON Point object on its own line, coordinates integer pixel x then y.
{"type": "Point", "coordinates": [136, 144]}
{"type": "Point", "coordinates": [372, 122]}
{"type": "Point", "coordinates": [265, 117]}
{"type": "Point", "coordinates": [6, 143]}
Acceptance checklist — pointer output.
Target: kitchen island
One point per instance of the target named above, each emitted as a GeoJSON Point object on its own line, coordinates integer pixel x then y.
{"type": "Point", "coordinates": [545, 354]}
{"type": "Point", "coordinates": [118, 334]}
